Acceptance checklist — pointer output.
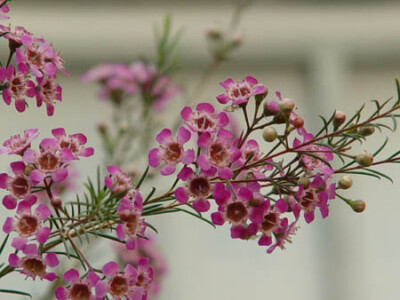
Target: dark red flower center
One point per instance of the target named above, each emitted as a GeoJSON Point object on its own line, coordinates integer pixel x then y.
{"type": "Point", "coordinates": [48, 161]}
{"type": "Point", "coordinates": [27, 224]}
{"type": "Point", "coordinates": [173, 152]}
{"type": "Point", "coordinates": [217, 153]}
{"type": "Point", "coordinates": [20, 186]}
{"type": "Point", "coordinates": [200, 187]}
{"type": "Point", "coordinates": [269, 222]}
{"type": "Point", "coordinates": [203, 123]}
{"type": "Point", "coordinates": [35, 266]}
{"type": "Point", "coordinates": [236, 211]}
{"type": "Point", "coordinates": [80, 291]}
{"type": "Point", "coordinates": [118, 286]}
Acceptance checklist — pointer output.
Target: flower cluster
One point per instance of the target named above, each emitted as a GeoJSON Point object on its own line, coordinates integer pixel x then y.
{"type": "Point", "coordinates": [257, 193]}
{"type": "Point", "coordinates": [37, 171]}
{"type": "Point", "coordinates": [119, 81]}
{"type": "Point", "coordinates": [132, 284]}
{"type": "Point", "coordinates": [131, 225]}
{"type": "Point", "coordinates": [35, 71]}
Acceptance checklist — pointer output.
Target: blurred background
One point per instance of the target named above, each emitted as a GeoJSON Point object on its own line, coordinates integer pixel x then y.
{"type": "Point", "coordinates": [325, 55]}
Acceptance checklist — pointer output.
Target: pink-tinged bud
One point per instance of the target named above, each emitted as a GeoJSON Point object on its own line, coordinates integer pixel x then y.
{"type": "Point", "coordinates": [304, 181]}
{"type": "Point", "coordinates": [298, 122]}
{"type": "Point", "coordinates": [214, 34]}
{"type": "Point", "coordinates": [345, 182]}
{"type": "Point", "coordinates": [260, 97]}
{"type": "Point", "coordinates": [358, 205]}
{"type": "Point", "coordinates": [365, 159]}
{"type": "Point", "coordinates": [271, 108]}
{"type": "Point", "coordinates": [270, 134]}
{"type": "Point", "coordinates": [287, 105]}
{"type": "Point", "coordinates": [102, 128]}
{"type": "Point", "coordinates": [366, 130]}
{"type": "Point", "coordinates": [339, 118]}
{"type": "Point", "coordinates": [56, 202]}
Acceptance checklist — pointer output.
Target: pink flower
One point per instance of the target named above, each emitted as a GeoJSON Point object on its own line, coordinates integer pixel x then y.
{"type": "Point", "coordinates": [39, 57]}
{"type": "Point", "coordinates": [316, 195]}
{"type": "Point", "coordinates": [33, 264]}
{"type": "Point", "coordinates": [147, 248]}
{"type": "Point", "coordinates": [19, 186]}
{"type": "Point", "coordinates": [3, 10]}
{"type": "Point", "coordinates": [26, 223]}
{"type": "Point", "coordinates": [204, 119]}
{"type": "Point", "coordinates": [17, 144]}
{"type": "Point", "coordinates": [79, 289]}
{"type": "Point", "coordinates": [171, 151]}
{"type": "Point", "coordinates": [132, 225]}
{"type": "Point", "coordinates": [117, 180]}
{"type": "Point", "coordinates": [240, 92]}
{"type": "Point", "coordinates": [14, 36]}
{"type": "Point", "coordinates": [47, 91]}
{"type": "Point", "coordinates": [219, 153]}
{"type": "Point", "coordinates": [283, 236]}
{"type": "Point", "coordinates": [16, 86]}
{"type": "Point", "coordinates": [197, 186]}
{"type": "Point", "coordinates": [74, 142]}
{"type": "Point", "coordinates": [132, 284]}
{"type": "Point", "coordinates": [49, 162]}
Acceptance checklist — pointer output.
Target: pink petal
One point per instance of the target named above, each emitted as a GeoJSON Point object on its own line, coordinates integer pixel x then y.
{"type": "Point", "coordinates": [60, 174]}
{"type": "Point", "coordinates": [207, 107]}
{"type": "Point", "coordinates": [58, 132]}
{"type": "Point", "coordinates": [8, 225]}
{"type": "Point", "coordinates": [18, 167]}
{"type": "Point", "coordinates": [71, 276]}
{"type": "Point", "coordinates": [61, 293]}
{"type": "Point", "coordinates": [110, 268]}
{"type": "Point", "coordinates": [167, 170]}
{"type": "Point", "coordinates": [181, 195]}
{"type": "Point", "coordinates": [3, 180]}
{"type": "Point", "coordinates": [251, 80]}
{"type": "Point", "coordinates": [30, 249]}
{"type": "Point", "coordinates": [51, 260]}
{"type": "Point", "coordinates": [204, 140]}
{"type": "Point", "coordinates": [186, 113]}
{"type": "Point", "coordinates": [223, 98]}
{"type": "Point", "coordinates": [43, 211]}
{"type": "Point", "coordinates": [223, 119]}
{"type": "Point", "coordinates": [131, 244]}
{"type": "Point", "coordinates": [226, 83]}
{"type": "Point", "coordinates": [201, 205]}
{"type": "Point", "coordinates": [50, 276]}
{"type": "Point", "coordinates": [36, 176]}
{"type": "Point", "coordinates": [119, 230]}
{"type": "Point", "coordinates": [101, 289]}
{"type": "Point", "coordinates": [183, 135]}
{"type": "Point", "coordinates": [217, 218]}
{"type": "Point", "coordinates": [154, 159]}
{"type": "Point", "coordinates": [260, 89]}
{"type": "Point", "coordinates": [188, 157]}
{"type": "Point", "coordinates": [185, 173]}
{"type": "Point", "coordinates": [86, 152]}
{"type": "Point", "coordinates": [163, 136]}
{"type": "Point", "coordinates": [20, 105]}
{"type": "Point", "coordinates": [9, 202]}
{"type": "Point", "coordinates": [13, 260]}
{"type": "Point", "coordinates": [238, 232]}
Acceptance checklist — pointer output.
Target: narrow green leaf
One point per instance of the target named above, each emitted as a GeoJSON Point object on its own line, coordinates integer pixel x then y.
{"type": "Point", "coordinates": [4, 243]}
{"type": "Point", "coordinates": [16, 292]}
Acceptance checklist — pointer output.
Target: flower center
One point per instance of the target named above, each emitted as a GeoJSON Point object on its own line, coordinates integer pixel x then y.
{"type": "Point", "coordinates": [236, 212]}
{"type": "Point", "coordinates": [118, 286]}
{"type": "Point", "coordinates": [203, 123]}
{"type": "Point", "coordinates": [80, 291]}
{"type": "Point", "coordinates": [217, 153]}
{"type": "Point", "coordinates": [20, 186]}
{"type": "Point", "coordinates": [269, 222]}
{"type": "Point", "coordinates": [48, 161]}
{"type": "Point", "coordinates": [34, 266]}
{"type": "Point", "coordinates": [308, 199]}
{"type": "Point", "coordinates": [69, 144]}
{"type": "Point", "coordinates": [199, 186]}
{"type": "Point", "coordinates": [173, 152]}
{"type": "Point", "coordinates": [27, 225]}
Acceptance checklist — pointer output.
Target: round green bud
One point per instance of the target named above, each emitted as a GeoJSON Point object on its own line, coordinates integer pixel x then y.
{"type": "Point", "coordinates": [366, 130]}
{"type": "Point", "coordinates": [270, 134]}
{"type": "Point", "coordinates": [365, 159]}
{"type": "Point", "coordinates": [287, 105]}
{"type": "Point", "coordinates": [345, 182]}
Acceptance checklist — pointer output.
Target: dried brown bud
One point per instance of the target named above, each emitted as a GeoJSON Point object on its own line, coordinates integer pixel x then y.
{"type": "Point", "coordinates": [345, 182]}
{"type": "Point", "coordinates": [56, 202]}
{"type": "Point", "coordinates": [270, 134]}
{"type": "Point", "coordinates": [339, 118]}
{"type": "Point", "coordinates": [365, 159]}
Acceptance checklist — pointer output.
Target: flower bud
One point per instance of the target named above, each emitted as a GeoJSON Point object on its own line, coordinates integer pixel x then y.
{"type": "Point", "coordinates": [353, 130]}
{"type": "Point", "coordinates": [269, 134]}
{"type": "Point", "coordinates": [271, 108]}
{"type": "Point", "coordinates": [260, 97]}
{"type": "Point", "coordinates": [298, 122]}
{"type": "Point", "coordinates": [280, 118]}
{"type": "Point", "coordinates": [345, 182]}
{"type": "Point", "coordinates": [304, 181]}
{"type": "Point", "coordinates": [366, 130]}
{"type": "Point", "coordinates": [365, 159]}
{"type": "Point", "coordinates": [339, 118]}
{"type": "Point", "coordinates": [358, 205]}
{"type": "Point", "coordinates": [102, 128]}
{"type": "Point", "coordinates": [214, 34]}
{"type": "Point", "coordinates": [287, 105]}
{"type": "Point", "coordinates": [56, 202]}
